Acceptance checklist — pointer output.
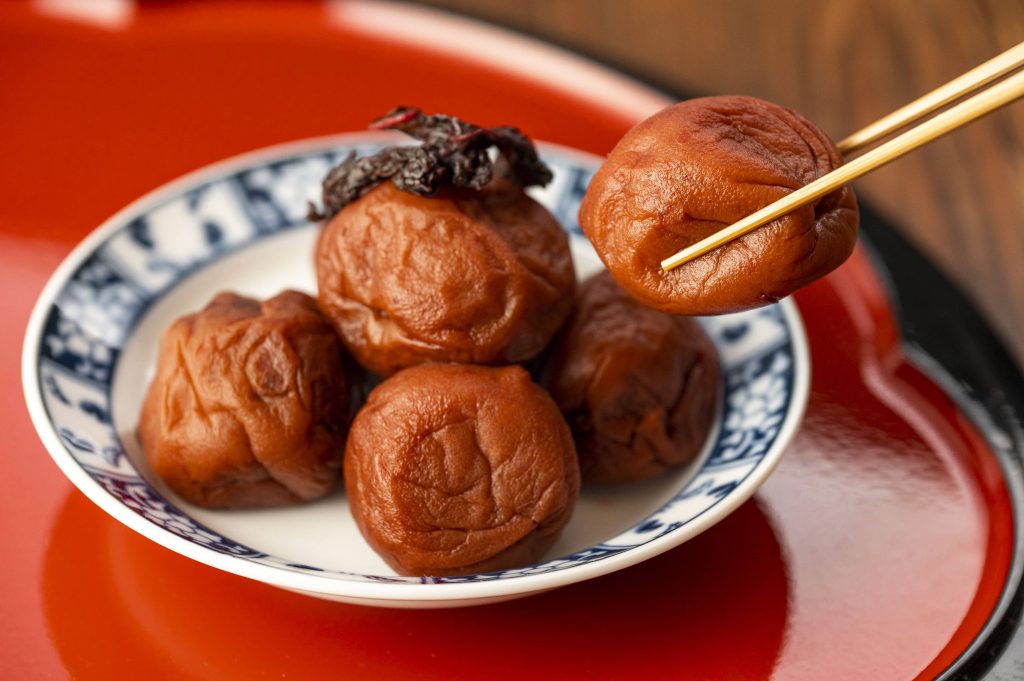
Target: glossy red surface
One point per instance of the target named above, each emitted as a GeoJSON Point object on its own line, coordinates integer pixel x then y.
{"type": "Point", "coordinates": [876, 551]}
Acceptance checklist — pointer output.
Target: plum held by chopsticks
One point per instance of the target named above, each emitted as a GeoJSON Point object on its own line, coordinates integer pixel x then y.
{"type": "Point", "coordinates": [698, 166]}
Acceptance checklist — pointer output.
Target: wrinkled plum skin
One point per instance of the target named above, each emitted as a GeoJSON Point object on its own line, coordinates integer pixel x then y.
{"type": "Point", "coordinates": [455, 469]}
{"type": "Point", "coordinates": [638, 387]}
{"type": "Point", "coordinates": [693, 169]}
{"type": "Point", "coordinates": [250, 403]}
{"type": "Point", "coordinates": [482, 277]}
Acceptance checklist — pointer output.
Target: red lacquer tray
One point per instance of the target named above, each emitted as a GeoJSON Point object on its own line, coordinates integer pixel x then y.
{"type": "Point", "coordinates": [882, 548]}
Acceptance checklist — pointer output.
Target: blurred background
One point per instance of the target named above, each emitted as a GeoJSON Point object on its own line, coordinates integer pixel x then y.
{"type": "Point", "coordinates": [843, 64]}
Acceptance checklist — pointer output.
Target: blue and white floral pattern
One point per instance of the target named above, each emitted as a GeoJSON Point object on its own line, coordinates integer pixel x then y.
{"type": "Point", "coordinates": [102, 301]}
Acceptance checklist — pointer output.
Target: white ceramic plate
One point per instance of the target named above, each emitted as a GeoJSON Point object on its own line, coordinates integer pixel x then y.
{"type": "Point", "coordinates": [239, 225]}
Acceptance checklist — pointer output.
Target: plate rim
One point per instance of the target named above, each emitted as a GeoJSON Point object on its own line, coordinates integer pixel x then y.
{"type": "Point", "coordinates": [323, 584]}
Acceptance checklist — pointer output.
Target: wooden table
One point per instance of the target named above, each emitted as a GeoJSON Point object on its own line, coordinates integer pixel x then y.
{"type": "Point", "coordinates": [843, 63]}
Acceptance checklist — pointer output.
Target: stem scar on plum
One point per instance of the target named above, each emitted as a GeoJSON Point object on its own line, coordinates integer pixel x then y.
{"type": "Point", "coordinates": [453, 153]}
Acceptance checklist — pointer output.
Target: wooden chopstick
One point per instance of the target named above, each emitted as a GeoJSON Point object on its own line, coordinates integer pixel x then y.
{"type": "Point", "coordinates": [977, 77]}
{"type": "Point", "coordinates": [980, 104]}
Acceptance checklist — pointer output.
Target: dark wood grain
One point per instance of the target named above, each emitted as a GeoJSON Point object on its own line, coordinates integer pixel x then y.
{"type": "Point", "coordinates": [842, 63]}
